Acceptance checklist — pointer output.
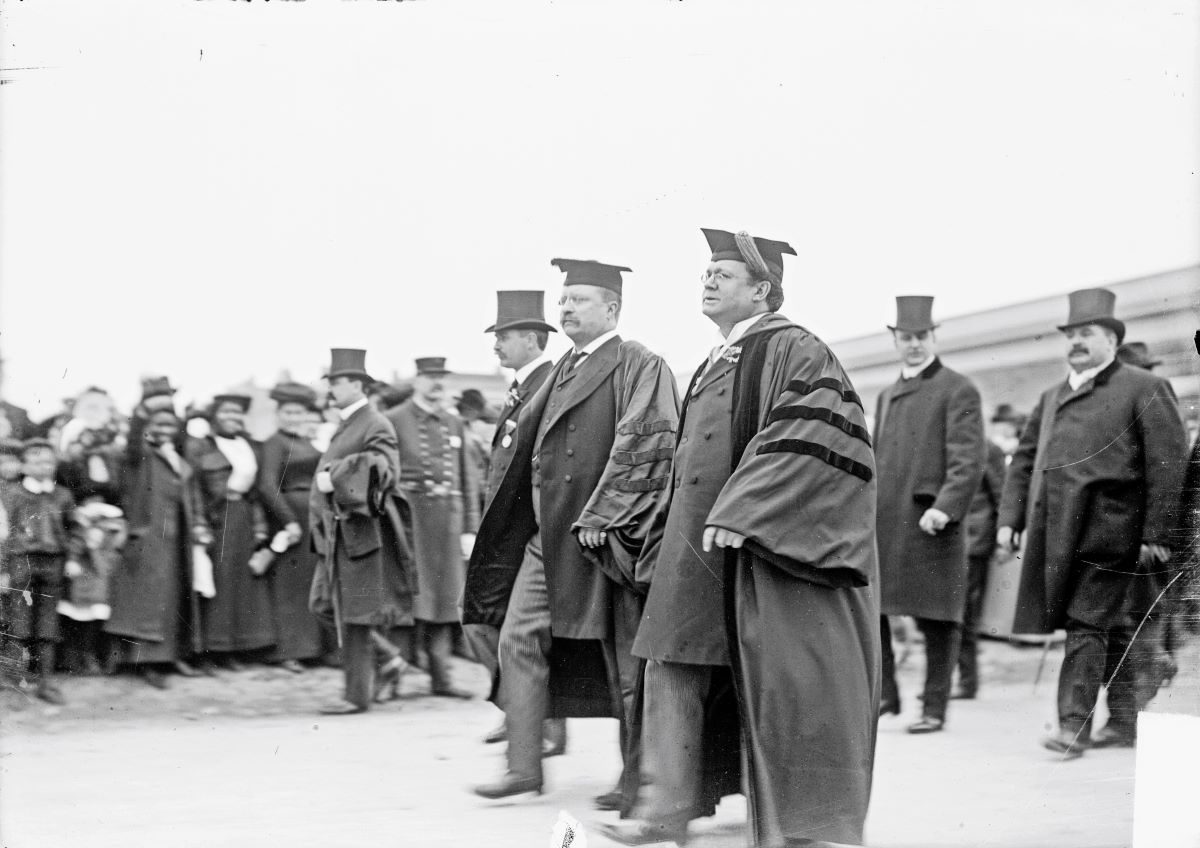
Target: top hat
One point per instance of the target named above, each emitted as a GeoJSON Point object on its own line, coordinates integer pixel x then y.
{"type": "Point", "coordinates": [156, 387]}
{"type": "Point", "coordinates": [432, 366]}
{"type": "Point", "coordinates": [348, 362]}
{"type": "Point", "coordinates": [914, 314]}
{"type": "Point", "coordinates": [240, 401]}
{"type": "Point", "coordinates": [290, 392]}
{"type": "Point", "coordinates": [1137, 354]}
{"type": "Point", "coordinates": [520, 310]}
{"type": "Point", "coordinates": [1094, 306]}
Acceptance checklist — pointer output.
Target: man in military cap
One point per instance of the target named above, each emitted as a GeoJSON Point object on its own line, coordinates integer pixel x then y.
{"type": "Point", "coordinates": [365, 576]}
{"type": "Point", "coordinates": [441, 483]}
{"type": "Point", "coordinates": [1092, 489]}
{"type": "Point", "coordinates": [553, 564]}
{"type": "Point", "coordinates": [521, 335]}
{"type": "Point", "coordinates": [761, 590]}
{"type": "Point", "coordinates": [930, 453]}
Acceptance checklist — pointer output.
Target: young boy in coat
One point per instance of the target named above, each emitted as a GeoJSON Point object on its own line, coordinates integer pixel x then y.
{"type": "Point", "coordinates": [43, 546]}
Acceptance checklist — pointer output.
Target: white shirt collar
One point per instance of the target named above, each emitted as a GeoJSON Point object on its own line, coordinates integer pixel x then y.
{"type": "Point", "coordinates": [353, 408]}
{"type": "Point", "coordinates": [1077, 379]}
{"type": "Point", "coordinates": [594, 344]}
{"type": "Point", "coordinates": [910, 371]}
{"type": "Point", "coordinates": [38, 487]}
{"type": "Point", "coordinates": [522, 373]}
{"type": "Point", "coordinates": [741, 328]}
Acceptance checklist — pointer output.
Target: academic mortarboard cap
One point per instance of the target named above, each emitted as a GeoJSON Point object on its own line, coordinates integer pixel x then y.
{"type": "Point", "coordinates": [520, 310]}
{"type": "Point", "coordinates": [241, 401]}
{"type": "Point", "coordinates": [914, 314]}
{"type": "Point", "coordinates": [290, 392]}
{"type": "Point", "coordinates": [589, 272]}
{"type": "Point", "coordinates": [1094, 306]}
{"type": "Point", "coordinates": [1138, 355]}
{"type": "Point", "coordinates": [743, 247]}
{"type": "Point", "coordinates": [433, 366]}
{"type": "Point", "coordinates": [348, 362]}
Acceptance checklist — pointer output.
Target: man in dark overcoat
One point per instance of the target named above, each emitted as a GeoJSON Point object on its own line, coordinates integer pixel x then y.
{"type": "Point", "coordinates": [364, 578]}
{"type": "Point", "coordinates": [930, 453]}
{"type": "Point", "coordinates": [441, 483]}
{"type": "Point", "coordinates": [761, 599]}
{"type": "Point", "coordinates": [521, 334]}
{"type": "Point", "coordinates": [1093, 490]}
{"type": "Point", "coordinates": [565, 525]}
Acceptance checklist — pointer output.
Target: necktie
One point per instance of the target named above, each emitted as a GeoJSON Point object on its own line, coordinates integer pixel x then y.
{"type": "Point", "coordinates": [576, 358]}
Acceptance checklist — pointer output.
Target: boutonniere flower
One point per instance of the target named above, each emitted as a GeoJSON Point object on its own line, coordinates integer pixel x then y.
{"type": "Point", "coordinates": [732, 354]}
{"type": "Point", "coordinates": [513, 397]}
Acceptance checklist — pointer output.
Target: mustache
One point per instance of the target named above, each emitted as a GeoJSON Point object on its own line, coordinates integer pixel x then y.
{"type": "Point", "coordinates": [1078, 350]}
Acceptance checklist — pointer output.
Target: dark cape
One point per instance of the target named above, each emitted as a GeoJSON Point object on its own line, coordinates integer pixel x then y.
{"type": "Point", "coordinates": [801, 612]}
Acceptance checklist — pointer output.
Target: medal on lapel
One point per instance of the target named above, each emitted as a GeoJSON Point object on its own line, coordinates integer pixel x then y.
{"type": "Point", "coordinates": [509, 427]}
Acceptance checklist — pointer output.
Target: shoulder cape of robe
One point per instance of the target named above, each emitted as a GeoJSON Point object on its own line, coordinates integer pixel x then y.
{"type": "Point", "coordinates": [801, 613]}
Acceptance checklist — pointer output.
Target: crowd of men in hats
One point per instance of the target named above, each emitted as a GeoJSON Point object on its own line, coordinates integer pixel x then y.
{"type": "Point", "coordinates": [719, 570]}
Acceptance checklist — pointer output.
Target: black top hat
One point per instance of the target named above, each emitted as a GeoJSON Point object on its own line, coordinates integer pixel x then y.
{"type": "Point", "coordinates": [589, 272]}
{"type": "Point", "coordinates": [432, 365]}
{"type": "Point", "coordinates": [348, 362]}
{"type": "Point", "coordinates": [1094, 306]}
{"type": "Point", "coordinates": [156, 387]}
{"type": "Point", "coordinates": [914, 313]}
{"type": "Point", "coordinates": [241, 401]}
{"type": "Point", "coordinates": [520, 310]}
{"type": "Point", "coordinates": [724, 245]}
{"type": "Point", "coordinates": [1137, 354]}
{"type": "Point", "coordinates": [290, 392]}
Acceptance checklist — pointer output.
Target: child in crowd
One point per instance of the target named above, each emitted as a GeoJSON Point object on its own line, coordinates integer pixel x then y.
{"type": "Point", "coordinates": [44, 544]}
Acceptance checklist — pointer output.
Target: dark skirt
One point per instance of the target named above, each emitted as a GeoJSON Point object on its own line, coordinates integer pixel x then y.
{"type": "Point", "coordinates": [239, 618]}
{"type": "Point", "coordinates": [163, 549]}
{"type": "Point", "coordinates": [301, 635]}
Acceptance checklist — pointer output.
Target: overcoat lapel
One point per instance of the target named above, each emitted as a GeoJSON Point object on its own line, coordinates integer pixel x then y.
{"type": "Point", "coordinates": [579, 385]}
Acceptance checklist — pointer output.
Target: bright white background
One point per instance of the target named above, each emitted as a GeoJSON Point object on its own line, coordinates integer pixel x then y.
{"type": "Point", "coordinates": [218, 190]}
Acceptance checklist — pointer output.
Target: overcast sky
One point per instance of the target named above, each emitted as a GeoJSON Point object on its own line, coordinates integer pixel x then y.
{"type": "Point", "coordinates": [220, 190]}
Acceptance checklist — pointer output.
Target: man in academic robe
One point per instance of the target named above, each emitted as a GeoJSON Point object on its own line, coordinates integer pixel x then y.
{"type": "Point", "coordinates": [762, 608]}
{"type": "Point", "coordinates": [521, 334]}
{"type": "Point", "coordinates": [364, 578]}
{"type": "Point", "coordinates": [553, 564]}
{"type": "Point", "coordinates": [930, 452]}
{"type": "Point", "coordinates": [441, 483]}
{"type": "Point", "coordinates": [1093, 490]}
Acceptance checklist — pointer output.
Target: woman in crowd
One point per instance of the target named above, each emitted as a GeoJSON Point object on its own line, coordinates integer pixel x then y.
{"type": "Point", "coordinates": [289, 461]}
{"type": "Point", "coordinates": [155, 613]}
{"type": "Point", "coordinates": [238, 619]}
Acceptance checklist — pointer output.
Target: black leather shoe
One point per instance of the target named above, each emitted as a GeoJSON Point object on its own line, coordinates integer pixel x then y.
{"type": "Point", "coordinates": [508, 786]}
{"type": "Point", "coordinates": [293, 666]}
{"type": "Point", "coordinates": [206, 667]}
{"type": "Point", "coordinates": [340, 707]}
{"type": "Point", "coordinates": [927, 724]}
{"type": "Point", "coordinates": [962, 694]}
{"type": "Point", "coordinates": [1112, 737]}
{"type": "Point", "coordinates": [500, 734]}
{"type": "Point", "coordinates": [452, 692]}
{"type": "Point", "coordinates": [155, 678]}
{"type": "Point", "coordinates": [886, 707]}
{"type": "Point", "coordinates": [643, 833]}
{"type": "Point", "coordinates": [185, 670]}
{"type": "Point", "coordinates": [609, 801]}
{"type": "Point", "coordinates": [1065, 742]}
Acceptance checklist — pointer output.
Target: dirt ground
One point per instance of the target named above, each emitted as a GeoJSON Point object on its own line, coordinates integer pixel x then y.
{"type": "Point", "coordinates": [244, 760]}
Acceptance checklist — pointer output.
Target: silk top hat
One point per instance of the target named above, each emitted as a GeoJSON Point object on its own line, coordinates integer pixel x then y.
{"type": "Point", "coordinates": [589, 272]}
{"type": "Point", "coordinates": [240, 401]}
{"type": "Point", "coordinates": [764, 256]}
{"type": "Point", "coordinates": [914, 314]}
{"type": "Point", "coordinates": [520, 310]}
{"type": "Point", "coordinates": [156, 387]}
{"type": "Point", "coordinates": [1094, 306]}
{"type": "Point", "coordinates": [433, 366]}
{"type": "Point", "coordinates": [348, 362]}
{"type": "Point", "coordinates": [294, 393]}
{"type": "Point", "coordinates": [1137, 354]}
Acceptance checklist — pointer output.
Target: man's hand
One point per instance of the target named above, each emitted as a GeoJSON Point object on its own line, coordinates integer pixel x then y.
{"type": "Point", "coordinates": [1007, 539]}
{"type": "Point", "coordinates": [467, 541]}
{"type": "Point", "coordinates": [590, 537]}
{"type": "Point", "coordinates": [722, 538]}
{"type": "Point", "coordinates": [1152, 552]}
{"type": "Point", "coordinates": [324, 482]}
{"type": "Point", "coordinates": [201, 535]}
{"type": "Point", "coordinates": [293, 531]}
{"type": "Point", "coordinates": [934, 521]}
{"type": "Point", "coordinates": [73, 570]}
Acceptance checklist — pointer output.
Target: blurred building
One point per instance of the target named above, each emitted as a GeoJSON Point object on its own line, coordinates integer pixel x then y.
{"type": "Point", "coordinates": [1014, 352]}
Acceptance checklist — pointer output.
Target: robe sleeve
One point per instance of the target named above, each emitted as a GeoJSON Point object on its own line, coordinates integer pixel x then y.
{"type": "Point", "coordinates": [1164, 452]}
{"type": "Point", "coordinates": [966, 452]}
{"type": "Point", "coordinates": [803, 493]}
{"type": "Point", "coordinates": [639, 463]}
{"type": "Point", "coordinates": [1014, 502]}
